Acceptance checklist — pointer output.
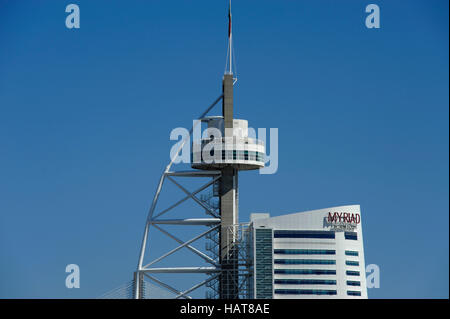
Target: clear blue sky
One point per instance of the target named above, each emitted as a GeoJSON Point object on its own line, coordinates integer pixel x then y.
{"type": "Point", "coordinates": [85, 117]}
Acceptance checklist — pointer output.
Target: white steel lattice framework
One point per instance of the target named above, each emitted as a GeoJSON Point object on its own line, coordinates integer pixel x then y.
{"type": "Point", "coordinates": [154, 220]}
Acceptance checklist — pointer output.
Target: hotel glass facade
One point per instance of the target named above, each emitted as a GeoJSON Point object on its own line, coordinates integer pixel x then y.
{"type": "Point", "coordinates": [314, 254]}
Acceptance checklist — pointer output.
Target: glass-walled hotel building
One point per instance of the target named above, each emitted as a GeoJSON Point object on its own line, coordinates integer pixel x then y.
{"type": "Point", "coordinates": [314, 254]}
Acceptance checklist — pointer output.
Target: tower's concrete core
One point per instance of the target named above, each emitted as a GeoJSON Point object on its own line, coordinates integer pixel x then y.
{"type": "Point", "coordinates": [228, 194]}
{"type": "Point", "coordinates": [227, 147]}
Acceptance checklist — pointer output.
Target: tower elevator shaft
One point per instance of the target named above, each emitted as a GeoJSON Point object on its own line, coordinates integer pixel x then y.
{"type": "Point", "coordinates": [228, 194]}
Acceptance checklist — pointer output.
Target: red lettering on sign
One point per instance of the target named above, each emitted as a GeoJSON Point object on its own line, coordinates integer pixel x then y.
{"type": "Point", "coordinates": [344, 217]}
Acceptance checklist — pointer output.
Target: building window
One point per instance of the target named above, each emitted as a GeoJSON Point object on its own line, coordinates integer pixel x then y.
{"type": "Point", "coordinates": [352, 273]}
{"type": "Point", "coordinates": [305, 292]}
{"type": "Point", "coordinates": [351, 235]}
{"type": "Point", "coordinates": [352, 263]}
{"type": "Point", "coordinates": [354, 293]}
{"type": "Point", "coordinates": [305, 282]}
{"type": "Point", "coordinates": [305, 261]}
{"type": "Point", "coordinates": [305, 251]}
{"type": "Point", "coordinates": [263, 263]}
{"type": "Point", "coordinates": [351, 253]}
{"type": "Point", "coordinates": [305, 271]}
{"type": "Point", "coordinates": [303, 234]}
{"type": "Point", "coordinates": [232, 155]}
{"type": "Point", "coordinates": [353, 283]}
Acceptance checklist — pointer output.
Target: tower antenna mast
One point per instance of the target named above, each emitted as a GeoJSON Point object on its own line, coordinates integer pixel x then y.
{"type": "Point", "coordinates": [230, 41]}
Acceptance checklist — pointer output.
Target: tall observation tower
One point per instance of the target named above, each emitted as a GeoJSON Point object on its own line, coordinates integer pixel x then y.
{"type": "Point", "coordinates": [220, 154]}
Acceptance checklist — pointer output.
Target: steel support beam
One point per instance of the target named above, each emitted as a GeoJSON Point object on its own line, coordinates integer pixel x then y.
{"type": "Point", "coordinates": [187, 221]}
{"type": "Point", "coordinates": [182, 270]}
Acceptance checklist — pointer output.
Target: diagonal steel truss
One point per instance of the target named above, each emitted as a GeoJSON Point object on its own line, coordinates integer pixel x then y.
{"type": "Point", "coordinates": [155, 220]}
